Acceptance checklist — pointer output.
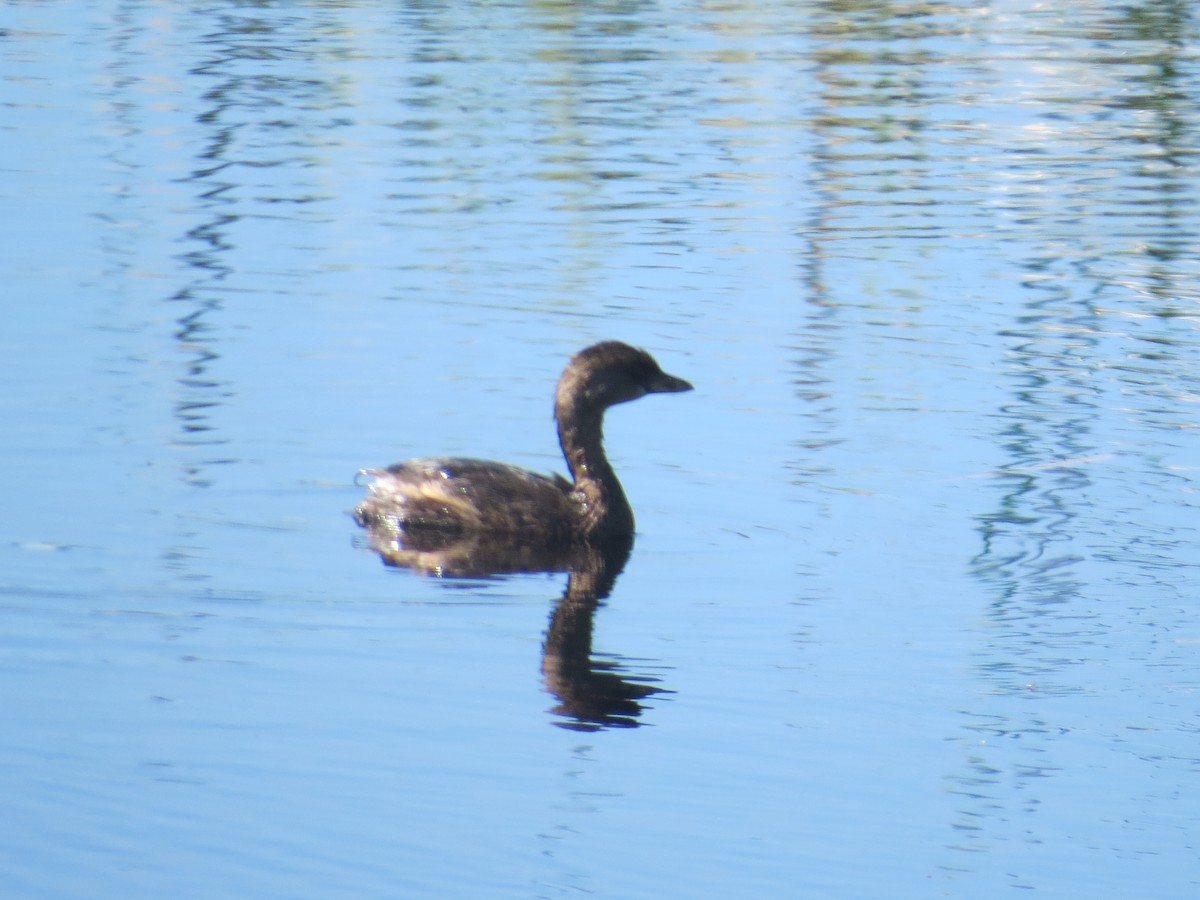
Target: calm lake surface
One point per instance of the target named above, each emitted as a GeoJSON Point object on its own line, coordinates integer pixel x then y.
{"type": "Point", "coordinates": [913, 606]}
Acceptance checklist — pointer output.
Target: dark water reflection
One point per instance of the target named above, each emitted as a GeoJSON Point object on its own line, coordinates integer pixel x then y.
{"type": "Point", "coordinates": [594, 693]}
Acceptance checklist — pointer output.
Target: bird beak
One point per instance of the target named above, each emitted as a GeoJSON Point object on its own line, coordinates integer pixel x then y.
{"type": "Point", "coordinates": [668, 384]}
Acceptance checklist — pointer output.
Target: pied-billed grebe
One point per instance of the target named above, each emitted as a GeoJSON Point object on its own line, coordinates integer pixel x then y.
{"type": "Point", "coordinates": [450, 496]}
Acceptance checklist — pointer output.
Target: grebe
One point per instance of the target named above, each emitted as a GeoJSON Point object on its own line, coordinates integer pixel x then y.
{"type": "Point", "coordinates": [427, 501]}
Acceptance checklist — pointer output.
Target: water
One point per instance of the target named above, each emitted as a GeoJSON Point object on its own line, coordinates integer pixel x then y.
{"type": "Point", "coordinates": [913, 597]}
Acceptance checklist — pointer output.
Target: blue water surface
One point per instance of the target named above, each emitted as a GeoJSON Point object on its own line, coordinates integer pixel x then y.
{"type": "Point", "coordinates": [912, 606]}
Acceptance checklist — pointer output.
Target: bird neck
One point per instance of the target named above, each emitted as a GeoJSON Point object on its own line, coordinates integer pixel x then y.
{"type": "Point", "coordinates": [581, 436]}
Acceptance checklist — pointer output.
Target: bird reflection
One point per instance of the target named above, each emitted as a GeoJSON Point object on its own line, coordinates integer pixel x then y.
{"type": "Point", "coordinates": [593, 694]}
